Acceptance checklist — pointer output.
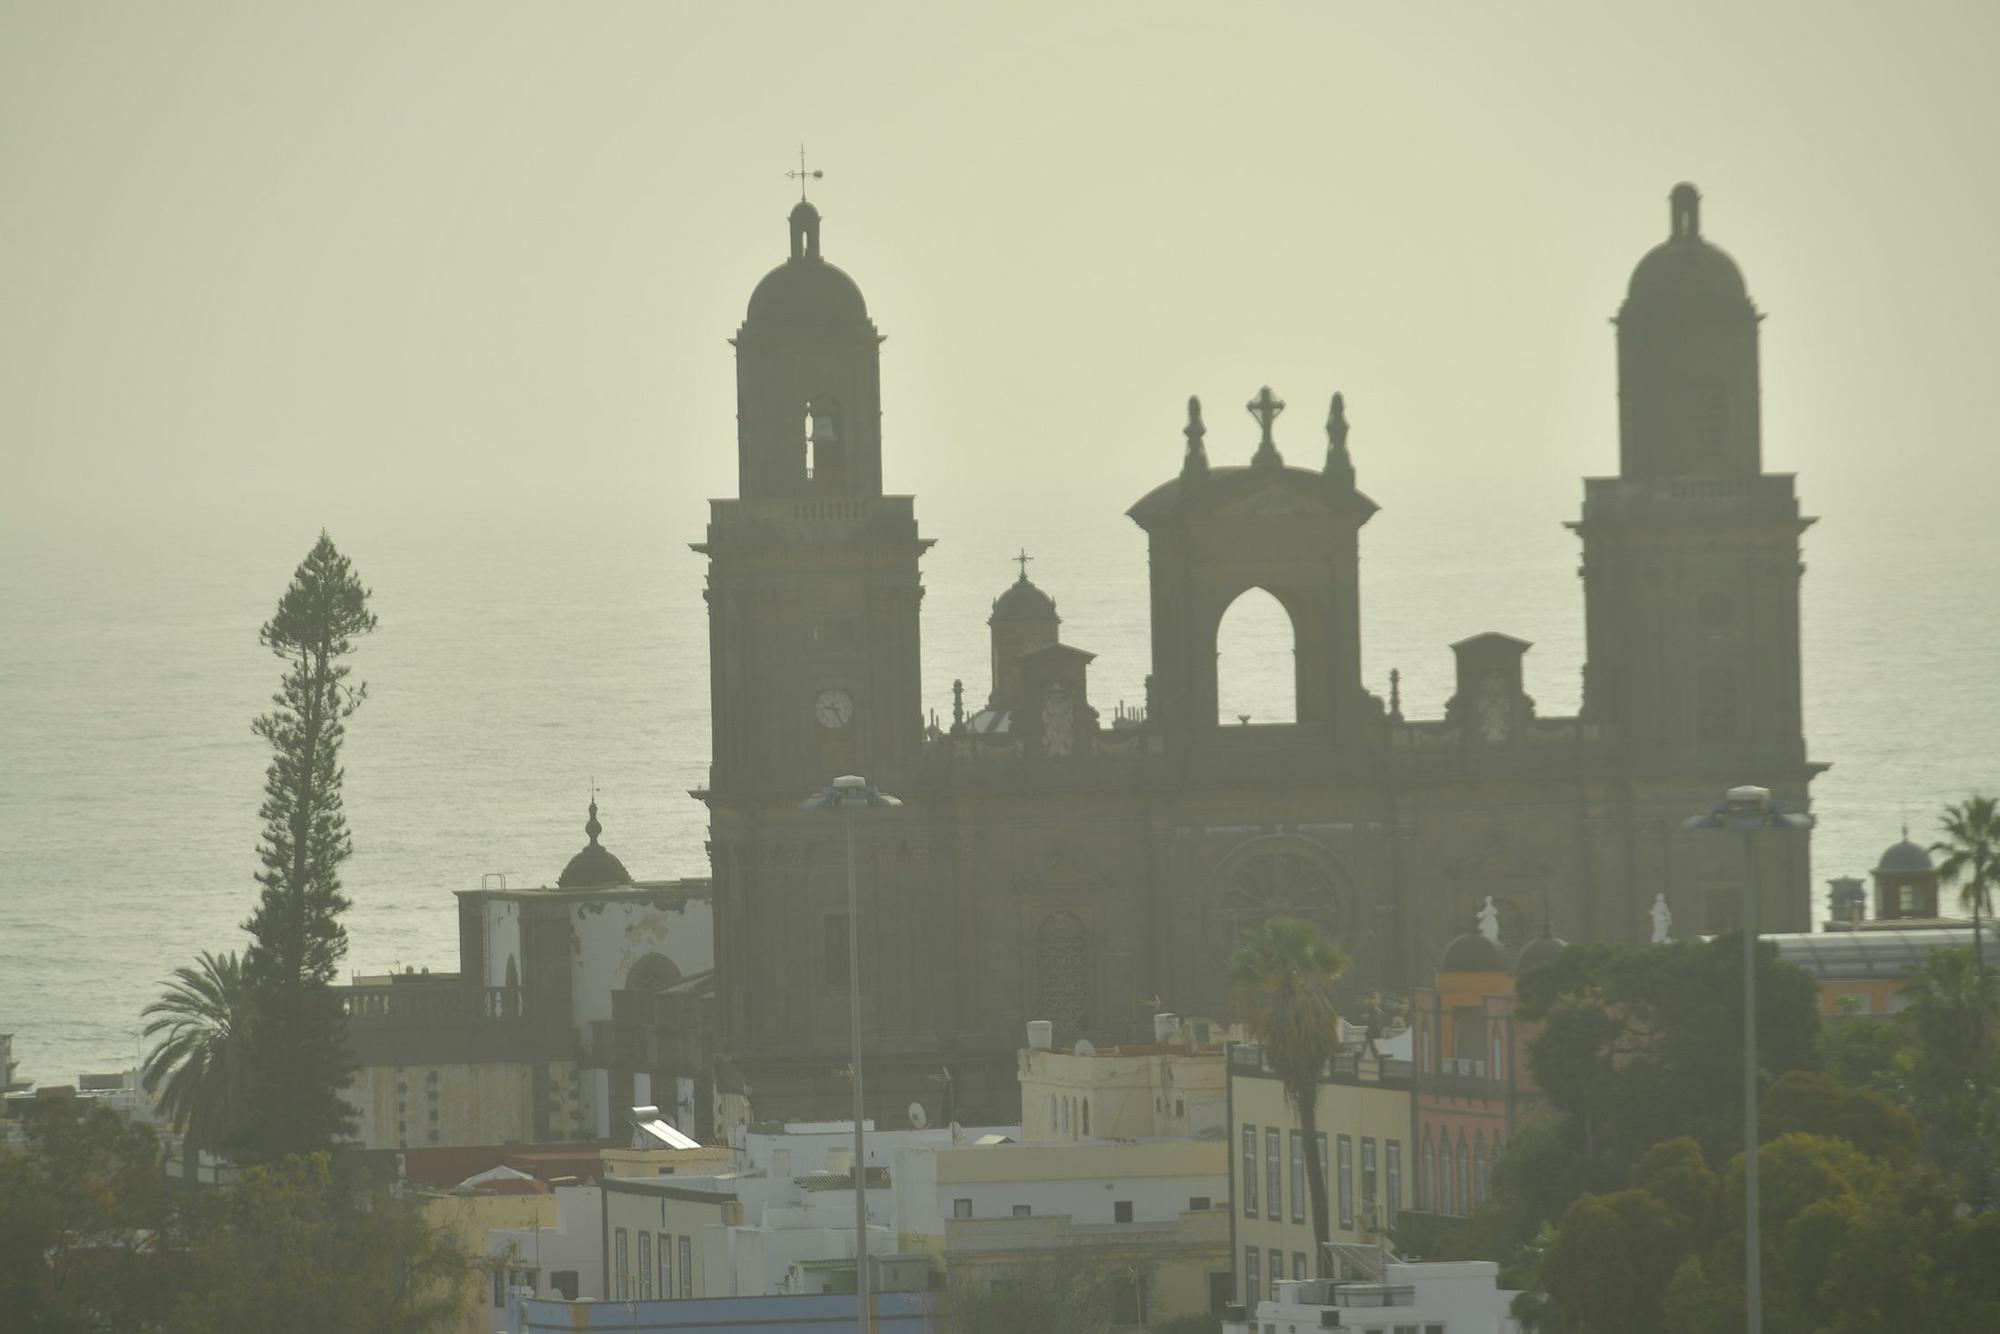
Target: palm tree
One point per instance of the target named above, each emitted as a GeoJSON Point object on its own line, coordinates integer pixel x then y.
{"type": "Point", "coordinates": [1283, 976]}
{"type": "Point", "coordinates": [198, 1062]}
{"type": "Point", "coordinates": [1971, 849]}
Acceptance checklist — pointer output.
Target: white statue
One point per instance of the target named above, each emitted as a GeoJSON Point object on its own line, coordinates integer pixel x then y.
{"type": "Point", "coordinates": [1663, 919]}
{"type": "Point", "coordinates": [1489, 920]}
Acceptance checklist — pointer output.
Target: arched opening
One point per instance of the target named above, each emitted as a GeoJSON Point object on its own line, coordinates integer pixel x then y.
{"type": "Point", "coordinates": [824, 457]}
{"type": "Point", "coordinates": [513, 973]}
{"type": "Point", "coordinates": [1256, 662]}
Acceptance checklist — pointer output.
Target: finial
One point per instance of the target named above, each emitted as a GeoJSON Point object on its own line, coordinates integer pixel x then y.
{"type": "Point", "coordinates": [1684, 212]}
{"type": "Point", "coordinates": [802, 175]}
{"type": "Point", "coordinates": [958, 706]}
{"type": "Point", "coordinates": [591, 826]}
{"type": "Point", "coordinates": [1395, 695]}
{"type": "Point", "coordinates": [1022, 561]}
{"type": "Point", "coordinates": [1197, 453]}
{"type": "Point", "coordinates": [1336, 435]}
{"type": "Point", "coordinates": [1265, 408]}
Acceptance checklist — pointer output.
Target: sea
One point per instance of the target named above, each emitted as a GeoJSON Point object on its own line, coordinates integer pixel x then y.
{"type": "Point", "coordinates": [523, 659]}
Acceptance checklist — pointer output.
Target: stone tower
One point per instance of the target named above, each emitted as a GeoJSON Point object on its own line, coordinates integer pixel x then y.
{"type": "Point", "coordinates": [1691, 554]}
{"type": "Point", "coordinates": [813, 587]}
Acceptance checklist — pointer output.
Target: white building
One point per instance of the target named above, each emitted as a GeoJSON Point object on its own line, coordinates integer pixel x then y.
{"type": "Point", "coordinates": [1455, 1297]}
{"type": "Point", "coordinates": [1172, 1087]}
{"type": "Point", "coordinates": [566, 1260]}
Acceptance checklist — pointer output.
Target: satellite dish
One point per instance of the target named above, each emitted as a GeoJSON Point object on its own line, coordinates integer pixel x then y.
{"type": "Point", "coordinates": [1084, 1047]}
{"type": "Point", "coordinates": [917, 1118]}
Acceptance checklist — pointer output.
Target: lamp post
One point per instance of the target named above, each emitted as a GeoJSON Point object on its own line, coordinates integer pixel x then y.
{"type": "Point", "coordinates": [849, 794]}
{"type": "Point", "coordinates": [1749, 811]}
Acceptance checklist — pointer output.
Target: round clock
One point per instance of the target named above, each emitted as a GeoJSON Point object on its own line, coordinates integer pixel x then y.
{"type": "Point", "coordinates": [834, 708]}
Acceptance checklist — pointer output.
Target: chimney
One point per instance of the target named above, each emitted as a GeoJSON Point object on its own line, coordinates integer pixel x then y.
{"type": "Point", "coordinates": [1041, 1035]}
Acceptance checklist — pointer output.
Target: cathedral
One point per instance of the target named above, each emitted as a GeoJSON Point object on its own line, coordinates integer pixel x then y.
{"type": "Point", "coordinates": [1048, 864]}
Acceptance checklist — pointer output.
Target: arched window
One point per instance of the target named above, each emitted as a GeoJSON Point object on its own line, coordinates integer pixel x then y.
{"type": "Point", "coordinates": [1479, 1170]}
{"type": "Point", "coordinates": [823, 438]}
{"type": "Point", "coordinates": [1273, 883]}
{"type": "Point", "coordinates": [1256, 667]}
{"type": "Point", "coordinates": [1062, 971]}
{"type": "Point", "coordinates": [1086, 1118]}
{"type": "Point", "coordinates": [1427, 1174]}
{"type": "Point", "coordinates": [1065, 1116]}
{"type": "Point", "coordinates": [1447, 1202]}
{"type": "Point", "coordinates": [513, 973]}
{"type": "Point", "coordinates": [1462, 1182]}
{"type": "Point", "coordinates": [1054, 1116]}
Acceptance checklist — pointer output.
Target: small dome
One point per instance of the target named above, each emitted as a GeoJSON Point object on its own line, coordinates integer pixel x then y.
{"type": "Point", "coordinates": [1539, 952]}
{"type": "Point", "coordinates": [1685, 271]}
{"type": "Point", "coordinates": [807, 290]}
{"type": "Point", "coordinates": [1024, 602]}
{"type": "Point", "coordinates": [594, 867]}
{"type": "Point", "coordinates": [1473, 953]}
{"type": "Point", "coordinates": [1905, 857]}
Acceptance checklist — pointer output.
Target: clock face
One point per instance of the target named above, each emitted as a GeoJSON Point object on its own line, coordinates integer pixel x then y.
{"type": "Point", "coordinates": [834, 708]}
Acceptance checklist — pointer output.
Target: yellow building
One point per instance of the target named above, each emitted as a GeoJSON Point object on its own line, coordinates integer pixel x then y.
{"type": "Point", "coordinates": [470, 1216]}
{"type": "Point", "coordinates": [1154, 1209]}
{"type": "Point", "coordinates": [653, 1236]}
{"type": "Point", "coordinates": [1170, 1088]}
{"type": "Point", "coordinates": [1365, 1113]}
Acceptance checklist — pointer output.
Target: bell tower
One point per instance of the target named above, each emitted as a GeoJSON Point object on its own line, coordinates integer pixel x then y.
{"type": "Point", "coordinates": [813, 588]}
{"type": "Point", "coordinates": [1691, 554]}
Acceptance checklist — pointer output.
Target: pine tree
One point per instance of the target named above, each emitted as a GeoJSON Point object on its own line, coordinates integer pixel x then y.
{"type": "Point", "coordinates": [296, 1040]}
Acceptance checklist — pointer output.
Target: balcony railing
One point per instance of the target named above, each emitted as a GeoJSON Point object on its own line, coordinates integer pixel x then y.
{"type": "Point", "coordinates": [429, 1005]}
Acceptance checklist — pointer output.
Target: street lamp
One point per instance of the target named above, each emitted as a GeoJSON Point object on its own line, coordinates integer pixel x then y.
{"type": "Point", "coordinates": [848, 795]}
{"type": "Point", "coordinates": [1749, 811]}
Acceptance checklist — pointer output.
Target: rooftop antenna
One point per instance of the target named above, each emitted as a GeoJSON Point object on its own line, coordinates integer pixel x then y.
{"type": "Point", "coordinates": [802, 175]}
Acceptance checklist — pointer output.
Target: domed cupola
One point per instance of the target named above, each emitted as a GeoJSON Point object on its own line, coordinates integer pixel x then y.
{"type": "Point", "coordinates": [594, 867]}
{"type": "Point", "coordinates": [1540, 952]}
{"type": "Point", "coordinates": [1473, 952]}
{"type": "Point", "coordinates": [1024, 619]}
{"type": "Point", "coordinates": [1906, 882]}
{"type": "Point", "coordinates": [808, 379]}
{"type": "Point", "coordinates": [1687, 358]}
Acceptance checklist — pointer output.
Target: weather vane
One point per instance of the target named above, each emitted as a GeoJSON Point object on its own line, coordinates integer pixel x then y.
{"type": "Point", "coordinates": [802, 175]}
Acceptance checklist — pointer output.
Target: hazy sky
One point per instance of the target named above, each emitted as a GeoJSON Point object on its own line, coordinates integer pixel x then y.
{"type": "Point", "coordinates": [403, 249]}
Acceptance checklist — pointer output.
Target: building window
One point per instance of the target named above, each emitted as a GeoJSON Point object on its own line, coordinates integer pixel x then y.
{"type": "Point", "coordinates": [1249, 1171]}
{"type": "Point", "coordinates": [664, 1248]}
{"type": "Point", "coordinates": [1273, 1175]}
{"type": "Point", "coordinates": [960, 1208]}
{"type": "Point", "coordinates": [1319, 1142]}
{"type": "Point", "coordinates": [1346, 1178]}
{"type": "Point", "coordinates": [1446, 1202]}
{"type": "Point", "coordinates": [1428, 1187]}
{"type": "Point", "coordinates": [1298, 1147]}
{"type": "Point", "coordinates": [1723, 910]}
{"type": "Point", "coordinates": [621, 1261]}
{"type": "Point", "coordinates": [1368, 1184]}
{"type": "Point", "coordinates": [1277, 1258]}
{"type": "Point", "coordinates": [499, 1286]}
{"type": "Point", "coordinates": [1394, 1200]}
{"type": "Point", "coordinates": [1299, 1264]}
{"type": "Point", "coordinates": [1054, 1116]}
{"type": "Point", "coordinates": [687, 1268]}
{"type": "Point", "coordinates": [833, 935]}
{"type": "Point", "coordinates": [1197, 1203]}
{"type": "Point", "coordinates": [1468, 1032]}
{"type": "Point", "coordinates": [1086, 1118]}
{"type": "Point", "coordinates": [1023, 1210]}
{"type": "Point", "coordinates": [1462, 1186]}
{"type": "Point", "coordinates": [1062, 971]}
{"type": "Point", "coordinates": [645, 1266]}
{"type": "Point", "coordinates": [1479, 1171]}
{"type": "Point", "coordinates": [1715, 706]}
{"type": "Point", "coordinates": [1121, 1211]}
{"type": "Point", "coordinates": [1253, 1289]}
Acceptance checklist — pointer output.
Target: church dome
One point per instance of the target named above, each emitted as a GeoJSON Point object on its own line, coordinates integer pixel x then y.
{"type": "Point", "coordinates": [594, 867]}
{"type": "Point", "coordinates": [1473, 953]}
{"type": "Point", "coordinates": [1685, 271]}
{"type": "Point", "coordinates": [1024, 602]}
{"type": "Point", "coordinates": [1539, 952]}
{"type": "Point", "coordinates": [1905, 857]}
{"type": "Point", "coordinates": [805, 289]}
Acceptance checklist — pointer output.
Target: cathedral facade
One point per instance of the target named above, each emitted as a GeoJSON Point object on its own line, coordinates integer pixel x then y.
{"type": "Point", "coordinates": [1050, 864]}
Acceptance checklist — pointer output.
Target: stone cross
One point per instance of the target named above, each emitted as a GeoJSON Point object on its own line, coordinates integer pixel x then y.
{"type": "Point", "coordinates": [1022, 561]}
{"type": "Point", "coordinates": [1265, 408]}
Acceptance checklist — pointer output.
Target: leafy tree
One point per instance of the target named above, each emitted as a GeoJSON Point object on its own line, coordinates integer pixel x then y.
{"type": "Point", "coordinates": [1064, 1294]}
{"type": "Point", "coordinates": [291, 1249]}
{"type": "Point", "coordinates": [1807, 1102]}
{"type": "Point", "coordinates": [1971, 851]}
{"type": "Point", "coordinates": [76, 1205]}
{"type": "Point", "coordinates": [197, 1065]}
{"type": "Point", "coordinates": [1644, 1045]}
{"type": "Point", "coordinates": [298, 1059]}
{"type": "Point", "coordinates": [1283, 977]}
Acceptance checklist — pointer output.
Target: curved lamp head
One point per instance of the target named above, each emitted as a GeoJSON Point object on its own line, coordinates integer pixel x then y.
{"type": "Point", "coordinates": [1745, 810]}
{"type": "Point", "coordinates": [846, 793]}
